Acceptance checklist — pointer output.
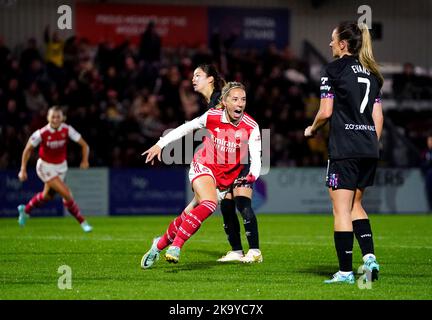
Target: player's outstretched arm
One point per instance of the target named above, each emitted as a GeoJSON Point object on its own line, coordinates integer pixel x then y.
{"type": "Point", "coordinates": [22, 175]}
{"type": "Point", "coordinates": [174, 135]}
{"type": "Point", "coordinates": [85, 153]}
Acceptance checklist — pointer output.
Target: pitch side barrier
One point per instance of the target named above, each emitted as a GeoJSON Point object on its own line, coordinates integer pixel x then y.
{"type": "Point", "coordinates": [166, 191]}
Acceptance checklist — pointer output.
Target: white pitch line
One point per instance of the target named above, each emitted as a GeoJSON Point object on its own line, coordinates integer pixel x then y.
{"type": "Point", "coordinates": [144, 240]}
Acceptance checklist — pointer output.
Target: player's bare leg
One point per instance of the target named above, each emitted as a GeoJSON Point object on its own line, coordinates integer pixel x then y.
{"type": "Point", "coordinates": [60, 187]}
{"type": "Point", "coordinates": [342, 200]}
{"type": "Point", "coordinates": [48, 193]}
{"type": "Point", "coordinates": [363, 232]}
{"type": "Point", "coordinates": [358, 212]}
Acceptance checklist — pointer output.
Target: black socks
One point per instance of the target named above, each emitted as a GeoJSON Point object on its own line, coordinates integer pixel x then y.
{"type": "Point", "coordinates": [363, 233]}
{"type": "Point", "coordinates": [231, 223]}
{"type": "Point", "coordinates": [344, 241]}
{"type": "Point", "coordinates": [244, 205]}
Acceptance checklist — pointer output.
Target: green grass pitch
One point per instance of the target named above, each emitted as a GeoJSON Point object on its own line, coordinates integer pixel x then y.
{"type": "Point", "coordinates": [298, 255]}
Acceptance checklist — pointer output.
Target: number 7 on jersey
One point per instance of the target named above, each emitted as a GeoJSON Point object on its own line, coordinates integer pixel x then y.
{"type": "Point", "coordinates": [366, 96]}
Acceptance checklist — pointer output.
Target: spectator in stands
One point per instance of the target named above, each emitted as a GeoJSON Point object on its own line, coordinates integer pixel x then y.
{"type": "Point", "coordinates": [14, 92]}
{"type": "Point", "coordinates": [103, 83]}
{"type": "Point", "coordinates": [71, 54]}
{"type": "Point", "coordinates": [54, 55]}
{"type": "Point", "coordinates": [35, 72]}
{"type": "Point", "coordinates": [405, 84]}
{"type": "Point", "coordinates": [427, 169]}
{"type": "Point", "coordinates": [54, 48]}
{"type": "Point", "coordinates": [30, 53]}
{"type": "Point", "coordinates": [150, 45]}
{"type": "Point", "coordinates": [4, 55]}
{"type": "Point", "coordinates": [203, 55]}
{"type": "Point", "coordinates": [34, 99]}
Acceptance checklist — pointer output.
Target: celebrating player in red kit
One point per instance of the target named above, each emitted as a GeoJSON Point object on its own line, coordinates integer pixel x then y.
{"type": "Point", "coordinates": [51, 166]}
{"type": "Point", "coordinates": [234, 136]}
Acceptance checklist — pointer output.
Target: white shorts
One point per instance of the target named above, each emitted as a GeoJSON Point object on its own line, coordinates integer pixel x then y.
{"type": "Point", "coordinates": [197, 170]}
{"type": "Point", "coordinates": [47, 171]}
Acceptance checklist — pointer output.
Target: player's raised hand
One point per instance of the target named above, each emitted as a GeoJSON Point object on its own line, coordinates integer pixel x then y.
{"type": "Point", "coordinates": [153, 152]}
{"type": "Point", "coordinates": [22, 175]}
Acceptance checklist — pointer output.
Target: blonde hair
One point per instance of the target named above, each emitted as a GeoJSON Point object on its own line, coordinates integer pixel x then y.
{"type": "Point", "coordinates": [366, 56]}
{"type": "Point", "coordinates": [56, 109]}
{"type": "Point", "coordinates": [228, 87]}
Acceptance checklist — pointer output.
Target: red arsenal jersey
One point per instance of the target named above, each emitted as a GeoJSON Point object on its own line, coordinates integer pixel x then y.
{"type": "Point", "coordinates": [53, 142]}
{"type": "Point", "coordinates": [227, 148]}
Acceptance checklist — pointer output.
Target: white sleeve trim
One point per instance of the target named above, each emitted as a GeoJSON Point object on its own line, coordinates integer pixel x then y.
{"type": "Point", "coordinates": [183, 130]}
{"type": "Point", "coordinates": [255, 152]}
{"type": "Point", "coordinates": [73, 134]}
{"type": "Point", "coordinates": [35, 138]}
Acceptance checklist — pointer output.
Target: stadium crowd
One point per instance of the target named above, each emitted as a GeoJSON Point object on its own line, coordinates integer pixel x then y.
{"type": "Point", "coordinates": [122, 97]}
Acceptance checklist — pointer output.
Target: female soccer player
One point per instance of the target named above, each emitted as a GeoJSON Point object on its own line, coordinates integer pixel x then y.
{"type": "Point", "coordinates": [208, 82]}
{"type": "Point", "coordinates": [350, 98]}
{"type": "Point", "coordinates": [233, 135]}
{"type": "Point", "coordinates": [51, 166]}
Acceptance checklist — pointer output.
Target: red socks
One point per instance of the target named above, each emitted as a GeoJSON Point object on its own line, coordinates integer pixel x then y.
{"type": "Point", "coordinates": [73, 209]}
{"type": "Point", "coordinates": [171, 232]}
{"type": "Point", "coordinates": [35, 202]}
{"type": "Point", "coordinates": [192, 221]}
{"type": "Point", "coordinates": [38, 201]}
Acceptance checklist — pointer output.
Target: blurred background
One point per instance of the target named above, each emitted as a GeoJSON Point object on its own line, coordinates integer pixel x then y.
{"type": "Point", "coordinates": [122, 72]}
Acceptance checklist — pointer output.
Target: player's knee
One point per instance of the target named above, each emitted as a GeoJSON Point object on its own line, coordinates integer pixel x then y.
{"type": "Point", "coordinates": [48, 196]}
{"type": "Point", "coordinates": [244, 205]}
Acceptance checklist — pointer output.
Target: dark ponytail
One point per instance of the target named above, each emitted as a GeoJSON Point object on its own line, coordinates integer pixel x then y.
{"type": "Point", "coordinates": [211, 71]}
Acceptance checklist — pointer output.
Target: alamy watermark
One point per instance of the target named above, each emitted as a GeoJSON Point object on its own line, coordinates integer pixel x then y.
{"type": "Point", "coordinates": [65, 19]}
{"type": "Point", "coordinates": [65, 280]}
{"type": "Point", "coordinates": [227, 145]}
{"type": "Point", "coordinates": [365, 280]}
{"type": "Point", "coordinates": [366, 15]}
